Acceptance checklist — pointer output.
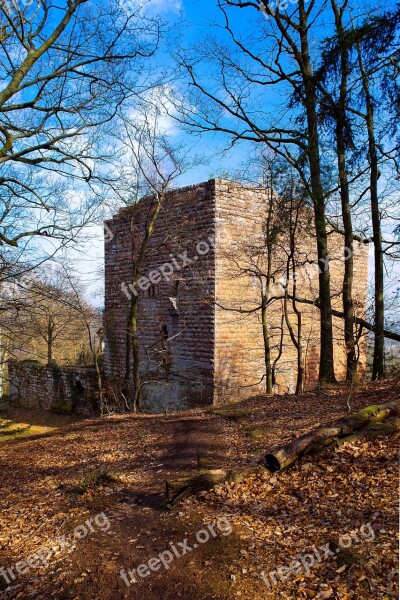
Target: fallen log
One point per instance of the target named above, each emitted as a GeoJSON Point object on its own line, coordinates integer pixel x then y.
{"type": "Point", "coordinates": [282, 457]}
{"type": "Point", "coordinates": [367, 423]}
{"type": "Point", "coordinates": [372, 431]}
{"type": "Point", "coordinates": [178, 489]}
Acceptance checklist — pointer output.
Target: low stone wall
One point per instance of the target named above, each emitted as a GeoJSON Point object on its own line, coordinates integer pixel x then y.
{"type": "Point", "coordinates": [65, 389]}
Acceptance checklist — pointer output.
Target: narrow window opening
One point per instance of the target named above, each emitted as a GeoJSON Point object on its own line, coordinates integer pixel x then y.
{"type": "Point", "coordinates": [79, 389]}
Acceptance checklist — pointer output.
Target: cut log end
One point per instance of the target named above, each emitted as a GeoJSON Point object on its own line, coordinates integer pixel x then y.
{"type": "Point", "coordinates": [272, 463]}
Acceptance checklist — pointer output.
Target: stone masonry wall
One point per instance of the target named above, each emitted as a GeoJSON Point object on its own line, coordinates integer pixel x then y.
{"type": "Point", "coordinates": [239, 348]}
{"type": "Point", "coordinates": [176, 314]}
{"type": "Point", "coordinates": [67, 389]}
{"type": "Point", "coordinates": [200, 331]}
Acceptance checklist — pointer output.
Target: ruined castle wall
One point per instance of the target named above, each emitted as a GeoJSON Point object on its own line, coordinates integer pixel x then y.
{"type": "Point", "coordinates": [176, 314]}
{"type": "Point", "coordinates": [239, 358]}
{"type": "Point", "coordinates": [66, 389]}
{"type": "Point", "coordinates": [200, 331]}
{"type": "Point", "coordinates": [239, 349]}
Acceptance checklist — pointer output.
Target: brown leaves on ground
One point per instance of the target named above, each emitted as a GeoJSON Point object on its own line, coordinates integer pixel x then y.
{"type": "Point", "coordinates": [282, 517]}
{"type": "Point", "coordinates": [118, 466]}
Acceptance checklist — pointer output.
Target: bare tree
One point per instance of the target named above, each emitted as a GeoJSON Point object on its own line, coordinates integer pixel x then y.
{"type": "Point", "coordinates": [149, 165]}
{"type": "Point", "coordinates": [278, 55]}
{"type": "Point", "coordinates": [367, 54]}
{"type": "Point", "coordinates": [272, 230]}
{"type": "Point", "coordinates": [295, 202]}
{"type": "Point", "coordinates": [45, 318]}
{"type": "Point", "coordinates": [65, 68]}
{"type": "Point", "coordinates": [335, 104]}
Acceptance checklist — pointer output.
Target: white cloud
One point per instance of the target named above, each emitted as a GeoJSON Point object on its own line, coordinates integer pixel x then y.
{"type": "Point", "coordinates": [160, 108]}
{"type": "Point", "coordinates": [166, 5]}
{"type": "Point", "coordinates": [154, 6]}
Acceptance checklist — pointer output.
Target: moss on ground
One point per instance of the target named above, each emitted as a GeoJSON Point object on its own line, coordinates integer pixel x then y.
{"type": "Point", "coordinates": [20, 423]}
{"type": "Point", "coordinates": [233, 414]}
{"type": "Point", "coordinates": [13, 431]}
{"type": "Point", "coordinates": [92, 481]}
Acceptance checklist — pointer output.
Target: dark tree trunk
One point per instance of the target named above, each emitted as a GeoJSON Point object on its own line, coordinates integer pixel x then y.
{"type": "Point", "coordinates": [269, 386]}
{"type": "Point", "coordinates": [378, 367]}
{"type": "Point", "coordinates": [326, 368]}
{"type": "Point", "coordinates": [50, 342]}
{"type": "Point", "coordinates": [347, 295]}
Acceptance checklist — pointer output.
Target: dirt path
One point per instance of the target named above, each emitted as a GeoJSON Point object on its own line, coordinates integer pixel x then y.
{"type": "Point", "coordinates": [140, 528]}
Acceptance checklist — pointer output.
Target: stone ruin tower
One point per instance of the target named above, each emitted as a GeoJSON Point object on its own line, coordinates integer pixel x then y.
{"type": "Point", "coordinates": [200, 332]}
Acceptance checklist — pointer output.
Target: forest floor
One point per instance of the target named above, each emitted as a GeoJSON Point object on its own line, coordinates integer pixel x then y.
{"type": "Point", "coordinates": [83, 502]}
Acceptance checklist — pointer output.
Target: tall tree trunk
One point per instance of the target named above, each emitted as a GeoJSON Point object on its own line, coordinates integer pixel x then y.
{"type": "Point", "coordinates": [133, 346]}
{"type": "Point", "coordinates": [300, 366]}
{"type": "Point", "coordinates": [297, 338]}
{"type": "Point", "coordinates": [269, 387]}
{"type": "Point", "coordinates": [137, 386]}
{"type": "Point", "coordinates": [326, 367]}
{"type": "Point", "coordinates": [265, 293]}
{"type": "Point", "coordinates": [347, 294]}
{"type": "Point", "coordinates": [378, 366]}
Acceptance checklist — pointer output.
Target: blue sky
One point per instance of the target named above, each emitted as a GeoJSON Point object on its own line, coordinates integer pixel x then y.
{"type": "Point", "coordinates": [191, 21]}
